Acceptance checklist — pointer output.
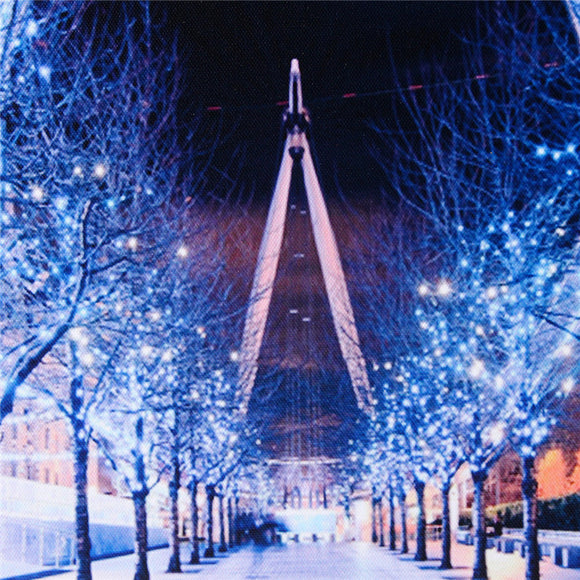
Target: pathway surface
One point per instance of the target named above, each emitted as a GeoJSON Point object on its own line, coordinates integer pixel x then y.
{"type": "Point", "coordinates": [341, 561]}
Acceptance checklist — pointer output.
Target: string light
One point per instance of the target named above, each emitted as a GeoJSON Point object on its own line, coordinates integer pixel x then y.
{"type": "Point", "coordinates": [100, 170]}
{"type": "Point", "coordinates": [31, 28]}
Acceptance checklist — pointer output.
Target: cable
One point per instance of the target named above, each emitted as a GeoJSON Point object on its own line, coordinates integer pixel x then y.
{"type": "Point", "coordinates": [366, 94]}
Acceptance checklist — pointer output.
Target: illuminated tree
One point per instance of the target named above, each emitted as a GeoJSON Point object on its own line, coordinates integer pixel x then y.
{"type": "Point", "coordinates": [469, 404]}
{"type": "Point", "coordinates": [191, 296]}
{"type": "Point", "coordinates": [376, 475]}
{"type": "Point", "coordinates": [91, 175]}
{"type": "Point", "coordinates": [488, 165]}
{"type": "Point", "coordinates": [214, 435]}
{"type": "Point", "coordinates": [410, 410]}
{"type": "Point", "coordinates": [407, 396]}
{"type": "Point", "coordinates": [75, 147]}
{"type": "Point", "coordinates": [199, 438]}
{"type": "Point", "coordinates": [348, 474]}
{"type": "Point", "coordinates": [447, 458]}
{"type": "Point", "coordinates": [132, 436]}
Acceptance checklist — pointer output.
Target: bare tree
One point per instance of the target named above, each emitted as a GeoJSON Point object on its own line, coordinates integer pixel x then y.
{"type": "Point", "coordinates": [489, 162]}
{"type": "Point", "coordinates": [91, 174]}
{"type": "Point", "coordinates": [90, 161]}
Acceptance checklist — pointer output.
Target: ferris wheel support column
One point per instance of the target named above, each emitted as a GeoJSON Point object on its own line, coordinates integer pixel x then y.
{"type": "Point", "coordinates": [574, 11]}
{"type": "Point", "coordinates": [297, 150]}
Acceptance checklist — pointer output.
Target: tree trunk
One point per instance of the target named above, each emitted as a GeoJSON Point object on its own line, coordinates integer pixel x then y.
{"type": "Point", "coordinates": [392, 531]}
{"type": "Point", "coordinates": [230, 523]}
{"type": "Point", "coordinates": [381, 524]}
{"type": "Point", "coordinates": [529, 488]}
{"type": "Point", "coordinates": [81, 460]}
{"type": "Point", "coordinates": [347, 515]}
{"type": "Point", "coordinates": [480, 540]}
{"type": "Point", "coordinates": [404, 542]}
{"type": "Point", "coordinates": [223, 547]}
{"type": "Point", "coordinates": [375, 536]}
{"type": "Point", "coordinates": [139, 502]}
{"type": "Point", "coordinates": [140, 505]}
{"type": "Point", "coordinates": [194, 524]}
{"type": "Point", "coordinates": [421, 552]}
{"type": "Point", "coordinates": [446, 531]}
{"type": "Point", "coordinates": [83, 540]}
{"type": "Point", "coordinates": [210, 494]}
{"type": "Point", "coordinates": [174, 560]}
{"type": "Point", "coordinates": [237, 531]}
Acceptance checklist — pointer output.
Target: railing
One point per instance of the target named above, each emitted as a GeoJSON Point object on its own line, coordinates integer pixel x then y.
{"type": "Point", "coordinates": [563, 547]}
{"type": "Point", "coordinates": [557, 536]}
{"type": "Point", "coordinates": [37, 524]}
{"type": "Point", "coordinates": [434, 532]}
{"type": "Point", "coordinates": [37, 543]}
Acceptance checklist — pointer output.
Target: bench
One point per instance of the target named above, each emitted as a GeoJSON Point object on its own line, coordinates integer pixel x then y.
{"type": "Point", "coordinates": [466, 537]}
{"type": "Point", "coordinates": [563, 548]}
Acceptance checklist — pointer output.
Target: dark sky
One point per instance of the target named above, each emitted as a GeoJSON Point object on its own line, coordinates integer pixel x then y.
{"type": "Point", "coordinates": [237, 56]}
{"type": "Point", "coordinates": [239, 52]}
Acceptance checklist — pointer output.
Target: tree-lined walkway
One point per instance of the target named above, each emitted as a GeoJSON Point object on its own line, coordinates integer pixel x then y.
{"type": "Point", "coordinates": [353, 560]}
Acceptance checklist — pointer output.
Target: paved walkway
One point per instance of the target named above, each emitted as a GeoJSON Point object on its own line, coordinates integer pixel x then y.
{"type": "Point", "coordinates": [341, 561]}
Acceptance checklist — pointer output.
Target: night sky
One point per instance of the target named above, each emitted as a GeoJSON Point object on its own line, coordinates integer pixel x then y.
{"type": "Point", "coordinates": [239, 53]}
{"type": "Point", "coordinates": [236, 55]}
